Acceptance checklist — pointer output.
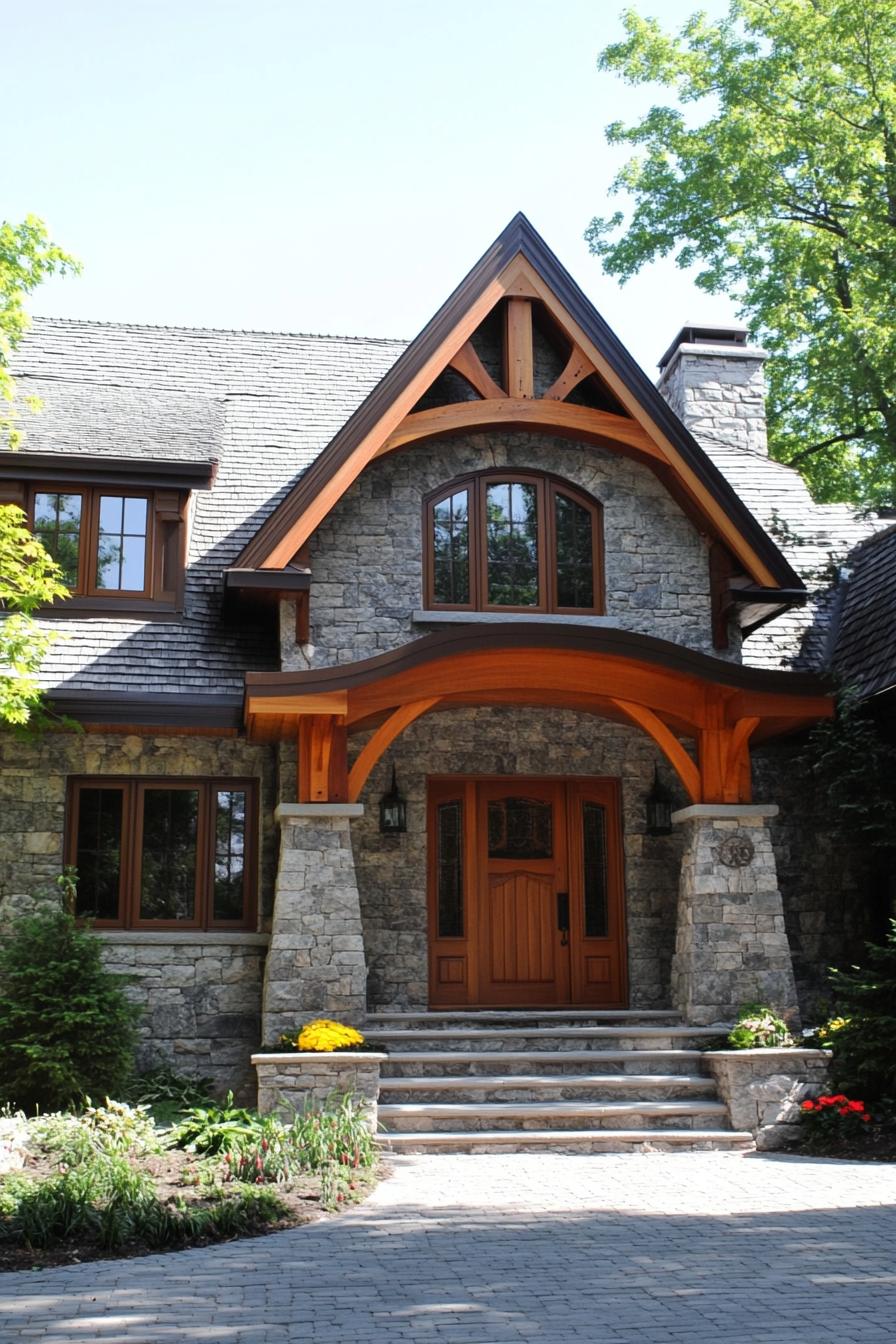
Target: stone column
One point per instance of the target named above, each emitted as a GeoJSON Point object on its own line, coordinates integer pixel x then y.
{"type": "Point", "coordinates": [731, 945]}
{"type": "Point", "coordinates": [315, 965]}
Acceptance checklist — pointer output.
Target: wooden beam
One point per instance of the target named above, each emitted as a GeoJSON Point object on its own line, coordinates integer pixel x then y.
{"type": "Point", "coordinates": [558, 417]}
{"type": "Point", "coordinates": [382, 739]}
{"type": "Point", "coordinates": [738, 783]}
{"type": "Point", "coordinates": [468, 364]}
{"type": "Point", "coordinates": [318, 702]}
{"type": "Point", "coordinates": [578, 366]}
{"type": "Point", "coordinates": [668, 743]}
{"type": "Point", "coordinates": [519, 357]}
{"type": "Point", "coordinates": [322, 759]}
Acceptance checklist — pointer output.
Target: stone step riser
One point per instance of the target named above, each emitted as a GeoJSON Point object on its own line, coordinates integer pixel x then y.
{"type": "Point", "coordinates": [560, 1142]}
{"type": "Point", "coordinates": [562, 1089]}
{"type": "Point", "coordinates": [564, 1064]}
{"type": "Point", "coordinates": [516, 1020]}
{"type": "Point", "coordinates": [596, 1039]}
{"type": "Point", "coordinates": [577, 1115]}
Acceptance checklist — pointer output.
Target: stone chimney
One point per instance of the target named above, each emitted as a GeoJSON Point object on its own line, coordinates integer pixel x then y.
{"type": "Point", "coordinates": [713, 380]}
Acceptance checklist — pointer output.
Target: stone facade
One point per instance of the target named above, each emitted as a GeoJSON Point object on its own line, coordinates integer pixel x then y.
{"type": "Point", "coordinates": [289, 1082]}
{"type": "Point", "coordinates": [200, 992]}
{"type": "Point", "coordinates": [508, 740]}
{"type": "Point", "coordinates": [366, 558]}
{"type": "Point", "coordinates": [731, 943]}
{"type": "Point", "coordinates": [315, 964]}
{"type": "Point", "coordinates": [763, 1089]}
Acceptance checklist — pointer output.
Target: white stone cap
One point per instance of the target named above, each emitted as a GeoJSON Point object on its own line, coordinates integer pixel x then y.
{"type": "Point", "coordinates": [309, 1056]}
{"type": "Point", "coordinates": [724, 811]}
{"type": "Point", "coordinates": [291, 811]}
{"type": "Point", "coordinates": [770, 1052]}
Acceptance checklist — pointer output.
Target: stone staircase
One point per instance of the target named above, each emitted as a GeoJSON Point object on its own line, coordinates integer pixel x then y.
{"type": "Point", "coordinates": [567, 1081]}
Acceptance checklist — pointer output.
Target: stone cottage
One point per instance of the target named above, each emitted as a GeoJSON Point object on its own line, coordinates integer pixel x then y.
{"type": "Point", "coordinates": [392, 660]}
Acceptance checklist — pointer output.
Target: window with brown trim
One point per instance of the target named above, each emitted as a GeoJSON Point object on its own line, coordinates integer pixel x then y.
{"type": "Point", "coordinates": [164, 853]}
{"type": "Point", "coordinates": [507, 541]}
{"type": "Point", "coordinates": [114, 545]}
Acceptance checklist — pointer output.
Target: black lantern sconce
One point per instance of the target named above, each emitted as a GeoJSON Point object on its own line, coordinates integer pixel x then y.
{"type": "Point", "coordinates": [393, 810]}
{"type": "Point", "coordinates": [658, 807]}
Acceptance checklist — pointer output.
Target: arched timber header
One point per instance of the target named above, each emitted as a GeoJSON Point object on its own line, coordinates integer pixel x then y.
{"type": "Point", "coordinates": [666, 689]}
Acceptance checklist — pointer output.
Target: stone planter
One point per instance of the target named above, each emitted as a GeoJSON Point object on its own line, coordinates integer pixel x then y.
{"type": "Point", "coordinates": [763, 1089]}
{"type": "Point", "coordinates": [289, 1079]}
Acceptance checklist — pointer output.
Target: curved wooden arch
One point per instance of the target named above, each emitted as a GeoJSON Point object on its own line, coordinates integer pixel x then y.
{"type": "Point", "coordinates": [382, 739]}
{"type": "Point", "coordinates": [669, 745]}
{"type": "Point", "coordinates": [559, 417]}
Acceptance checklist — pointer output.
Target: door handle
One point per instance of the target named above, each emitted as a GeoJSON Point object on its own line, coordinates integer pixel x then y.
{"type": "Point", "coordinates": [563, 916]}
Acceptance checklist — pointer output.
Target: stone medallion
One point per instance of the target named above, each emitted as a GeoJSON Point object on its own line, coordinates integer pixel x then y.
{"type": "Point", "coordinates": [736, 851]}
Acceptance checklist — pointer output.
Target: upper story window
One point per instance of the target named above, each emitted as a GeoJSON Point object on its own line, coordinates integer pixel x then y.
{"type": "Point", "coordinates": [506, 541]}
{"type": "Point", "coordinates": [112, 543]}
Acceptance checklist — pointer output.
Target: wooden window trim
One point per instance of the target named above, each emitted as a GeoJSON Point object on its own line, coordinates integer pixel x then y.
{"type": "Point", "coordinates": [548, 487]}
{"type": "Point", "coordinates": [133, 790]}
{"type": "Point", "coordinates": [164, 554]}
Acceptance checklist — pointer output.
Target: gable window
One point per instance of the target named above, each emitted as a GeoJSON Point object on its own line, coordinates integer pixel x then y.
{"type": "Point", "coordinates": [112, 543]}
{"type": "Point", "coordinates": [503, 541]}
{"type": "Point", "coordinates": [173, 854]}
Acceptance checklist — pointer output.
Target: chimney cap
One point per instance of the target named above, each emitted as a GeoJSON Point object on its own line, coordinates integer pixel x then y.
{"type": "Point", "coordinates": [724, 334]}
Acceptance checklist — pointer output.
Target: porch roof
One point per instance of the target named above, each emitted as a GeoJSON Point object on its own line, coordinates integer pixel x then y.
{"type": "Point", "coordinates": [668, 690]}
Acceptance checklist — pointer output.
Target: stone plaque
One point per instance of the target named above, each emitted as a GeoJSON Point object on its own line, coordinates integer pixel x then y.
{"type": "Point", "coordinates": [736, 851]}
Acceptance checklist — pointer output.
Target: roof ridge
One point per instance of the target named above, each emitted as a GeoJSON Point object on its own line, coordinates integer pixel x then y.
{"type": "Point", "coordinates": [219, 331]}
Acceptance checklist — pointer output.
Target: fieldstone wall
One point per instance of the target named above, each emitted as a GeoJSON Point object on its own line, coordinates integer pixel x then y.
{"type": "Point", "coordinates": [367, 556]}
{"type": "Point", "coordinates": [508, 740]}
{"type": "Point", "coordinates": [316, 964]}
{"type": "Point", "coordinates": [731, 943]}
{"type": "Point", "coordinates": [288, 1082]}
{"type": "Point", "coordinates": [763, 1089]}
{"type": "Point", "coordinates": [201, 1000]}
{"type": "Point", "coordinates": [719, 394]}
{"type": "Point", "coordinates": [200, 992]}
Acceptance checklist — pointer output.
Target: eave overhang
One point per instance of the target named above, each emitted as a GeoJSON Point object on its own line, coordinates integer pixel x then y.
{"type": "Point", "coordinates": [103, 469]}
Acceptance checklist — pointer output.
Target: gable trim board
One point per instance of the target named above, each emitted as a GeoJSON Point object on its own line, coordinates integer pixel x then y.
{"type": "Point", "coordinates": [518, 263]}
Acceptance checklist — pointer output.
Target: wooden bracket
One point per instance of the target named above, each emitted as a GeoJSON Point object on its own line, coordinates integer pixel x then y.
{"type": "Point", "coordinates": [322, 758]}
{"type": "Point", "coordinates": [470, 367]}
{"type": "Point", "coordinates": [578, 367]}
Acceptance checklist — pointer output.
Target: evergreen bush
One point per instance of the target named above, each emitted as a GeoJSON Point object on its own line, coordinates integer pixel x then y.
{"type": "Point", "coordinates": [864, 1046]}
{"type": "Point", "coordinates": [66, 1029]}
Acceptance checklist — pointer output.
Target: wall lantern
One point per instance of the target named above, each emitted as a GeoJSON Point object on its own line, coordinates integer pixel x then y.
{"type": "Point", "coordinates": [393, 810]}
{"type": "Point", "coordinates": [658, 807]}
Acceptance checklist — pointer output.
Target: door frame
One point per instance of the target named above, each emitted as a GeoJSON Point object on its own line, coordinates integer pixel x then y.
{"type": "Point", "coordinates": [454, 962]}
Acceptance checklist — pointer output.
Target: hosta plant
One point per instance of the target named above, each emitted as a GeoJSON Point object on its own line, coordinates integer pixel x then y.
{"type": "Point", "coordinates": [759, 1027]}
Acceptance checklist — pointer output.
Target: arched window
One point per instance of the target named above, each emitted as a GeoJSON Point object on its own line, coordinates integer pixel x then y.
{"type": "Point", "coordinates": [513, 541]}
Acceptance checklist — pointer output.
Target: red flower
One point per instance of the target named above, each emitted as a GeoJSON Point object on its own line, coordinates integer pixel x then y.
{"type": "Point", "coordinates": [808, 1106]}
{"type": "Point", "coordinates": [857, 1105]}
{"type": "Point", "coordinates": [844, 1110]}
{"type": "Point", "coordinates": [840, 1098]}
{"type": "Point", "coordinates": [866, 1116]}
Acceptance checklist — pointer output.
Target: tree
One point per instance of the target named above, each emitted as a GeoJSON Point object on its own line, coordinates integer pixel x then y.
{"type": "Point", "coordinates": [777, 175]}
{"type": "Point", "coordinates": [29, 577]}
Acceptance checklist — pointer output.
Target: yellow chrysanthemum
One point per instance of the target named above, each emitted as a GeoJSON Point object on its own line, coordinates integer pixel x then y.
{"type": "Point", "coordinates": [326, 1035]}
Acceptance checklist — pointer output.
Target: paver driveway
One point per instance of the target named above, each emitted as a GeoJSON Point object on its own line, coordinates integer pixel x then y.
{"type": "Point", "coordinates": [689, 1247]}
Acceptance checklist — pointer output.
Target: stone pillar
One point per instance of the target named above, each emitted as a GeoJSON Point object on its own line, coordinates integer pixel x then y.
{"type": "Point", "coordinates": [731, 945]}
{"type": "Point", "coordinates": [315, 965]}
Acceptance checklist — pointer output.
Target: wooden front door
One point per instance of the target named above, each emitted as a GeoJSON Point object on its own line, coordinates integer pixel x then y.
{"type": "Point", "coordinates": [526, 897]}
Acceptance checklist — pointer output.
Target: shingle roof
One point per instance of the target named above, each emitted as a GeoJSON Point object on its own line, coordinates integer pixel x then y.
{"type": "Point", "coordinates": [264, 404]}
{"type": "Point", "coordinates": [864, 652]}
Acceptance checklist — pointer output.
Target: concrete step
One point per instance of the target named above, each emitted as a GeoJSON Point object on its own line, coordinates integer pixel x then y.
{"type": "Point", "coordinates": [472, 1063]}
{"type": "Point", "coordinates": [518, 1087]}
{"type": "Point", "coordinates": [541, 1038]}
{"type": "Point", "coordinates": [517, 1017]}
{"type": "Point", "coordinates": [567, 1141]}
{"type": "Point", "coordinates": [459, 1117]}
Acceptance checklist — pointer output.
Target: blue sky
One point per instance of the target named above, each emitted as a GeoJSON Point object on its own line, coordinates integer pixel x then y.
{"type": "Point", "coordinates": [319, 167]}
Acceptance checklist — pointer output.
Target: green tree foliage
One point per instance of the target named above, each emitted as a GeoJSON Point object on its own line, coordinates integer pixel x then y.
{"type": "Point", "coordinates": [865, 1047]}
{"type": "Point", "coordinates": [66, 1029]}
{"type": "Point", "coordinates": [776, 174]}
{"type": "Point", "coordinates": [28, 576]}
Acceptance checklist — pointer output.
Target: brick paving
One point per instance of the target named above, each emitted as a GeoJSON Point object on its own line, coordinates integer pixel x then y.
{"type": "Point", "coordinates": [687, 1248]}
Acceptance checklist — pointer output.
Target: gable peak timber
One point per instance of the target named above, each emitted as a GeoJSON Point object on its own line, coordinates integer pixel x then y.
{"type": "Point", "coordinates": [521, 277]}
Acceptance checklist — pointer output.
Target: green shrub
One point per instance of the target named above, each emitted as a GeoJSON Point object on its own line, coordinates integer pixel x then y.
{"type": "Point", "coordinates": [864, 1046]}
{"type": "Point", "coordinates": [66, 1029]}
{"type": "Point", "coordinates": [169, 1094]}
{"type": "Point", "coordinates": [215, 1129]}
{"type": "Point", "coordinates": [758, 1027]}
